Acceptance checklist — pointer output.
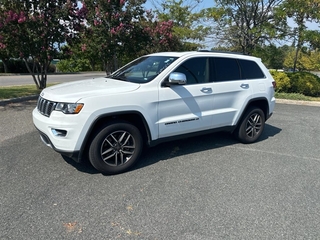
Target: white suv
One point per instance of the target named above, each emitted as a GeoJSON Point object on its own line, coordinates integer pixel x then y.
{"type": "Point", "coordinates": [155, 98]}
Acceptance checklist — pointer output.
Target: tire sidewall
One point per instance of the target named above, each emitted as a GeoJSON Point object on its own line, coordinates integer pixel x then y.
{"type": "Point", "coordinates": [241, 133]}
{"type": "Point", "coordinates": [95, 147]}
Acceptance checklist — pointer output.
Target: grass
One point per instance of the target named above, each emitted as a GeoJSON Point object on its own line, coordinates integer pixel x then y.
{"type": "Point", "coordinates": [29, 90]}
{"type": "Point", "coordinates": [18, 91]}
{"type": "Point", "coordinates": [296, 96]}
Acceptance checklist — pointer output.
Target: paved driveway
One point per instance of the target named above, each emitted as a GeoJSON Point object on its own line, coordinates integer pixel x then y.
{"type": "Point", "coordinates": [208, 187]}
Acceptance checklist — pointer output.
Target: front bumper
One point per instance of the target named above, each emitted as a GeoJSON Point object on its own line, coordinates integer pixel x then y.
{"type": "Point", "coordinates": [75, 155]}
{"type": "Point", "coordinates": [61, 132]}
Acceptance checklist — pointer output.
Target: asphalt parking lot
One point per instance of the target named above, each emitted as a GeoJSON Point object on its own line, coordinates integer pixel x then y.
{"type": "Point", "coordinates": [208, 187]}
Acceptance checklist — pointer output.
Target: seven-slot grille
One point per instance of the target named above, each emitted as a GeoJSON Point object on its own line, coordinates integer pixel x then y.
{"type": "Point", "coordinates": [45, 107]}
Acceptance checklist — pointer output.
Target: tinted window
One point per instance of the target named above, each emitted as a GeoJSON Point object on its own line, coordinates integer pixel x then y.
{"type": "Point", "coordinates": [250, 70]}
{"type": "Point", "coordinates": [226, 69]}
{"type": "Point", "coordinates": [195, 69]}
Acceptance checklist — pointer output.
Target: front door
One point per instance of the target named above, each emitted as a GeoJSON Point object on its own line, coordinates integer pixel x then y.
{"type": "Point", "coordinates": [187, 108]}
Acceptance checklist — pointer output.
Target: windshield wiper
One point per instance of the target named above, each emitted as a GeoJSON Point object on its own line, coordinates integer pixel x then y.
{"type": "Point", "coordinates": [117, 78]}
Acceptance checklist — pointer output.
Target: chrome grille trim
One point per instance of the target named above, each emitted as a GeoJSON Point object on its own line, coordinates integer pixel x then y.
{"type": "Point", "coordinates": [45, 107]}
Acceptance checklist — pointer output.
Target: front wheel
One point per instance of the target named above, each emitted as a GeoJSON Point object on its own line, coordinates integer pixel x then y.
{"type": "Point", "coordinates": [251, 125]}
{"type": "Point", "coordinates": [115, 148]}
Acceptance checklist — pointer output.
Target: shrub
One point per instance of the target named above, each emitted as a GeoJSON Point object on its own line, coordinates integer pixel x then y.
{"type": "Point", "coordinates": [71, 65]}
{"type": "Point", "coordinates": [52, 68]}
{"type": "Point", "coordinates": [19, 66]}
{"type": "Point", "coordinates": [305, 83]}
{"type": "Point", "coordinates": [282, 80]}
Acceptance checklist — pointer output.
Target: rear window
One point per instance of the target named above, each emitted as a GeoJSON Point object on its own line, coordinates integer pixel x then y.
{"type": "Point", "coordinates": [232, 69]}
{"type": "Point", "coordinates": [250, 70]}
{"type": "Point", "coordinates": [226, 69]}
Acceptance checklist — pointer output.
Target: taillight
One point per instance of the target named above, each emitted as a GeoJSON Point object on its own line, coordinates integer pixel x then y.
{"type": "Point", "coordinates": [274, 84]}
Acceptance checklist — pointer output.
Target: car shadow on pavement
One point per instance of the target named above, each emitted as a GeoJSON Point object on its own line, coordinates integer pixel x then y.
{"type": "Point", "coordinates": [84, 166]}
{"type": "Point", "coordinates": [169, 150]}
{"type": "Point", "coordinates": [269, 131]}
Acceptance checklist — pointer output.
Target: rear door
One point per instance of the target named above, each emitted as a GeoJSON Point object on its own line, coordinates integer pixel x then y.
{"type": "Point", "coordinates": [231, 92]}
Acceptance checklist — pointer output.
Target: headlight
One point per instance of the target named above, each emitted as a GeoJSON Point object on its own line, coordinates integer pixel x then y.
{"type": "Point", "coordinates": [69, 108]}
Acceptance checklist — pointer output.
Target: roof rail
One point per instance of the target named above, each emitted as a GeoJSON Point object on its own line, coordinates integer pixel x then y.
{"type": "Point", "coordinates": [216, 51]}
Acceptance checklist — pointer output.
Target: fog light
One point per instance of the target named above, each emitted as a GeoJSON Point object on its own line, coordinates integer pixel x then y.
{"type": "Point", "coordinates": [59, 132]}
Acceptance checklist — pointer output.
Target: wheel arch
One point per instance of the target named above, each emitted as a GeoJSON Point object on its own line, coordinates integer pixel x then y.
{"type": "Point", "coordinates": [133, 117]}
{"type": "Point", "coordinates": [261, 103]}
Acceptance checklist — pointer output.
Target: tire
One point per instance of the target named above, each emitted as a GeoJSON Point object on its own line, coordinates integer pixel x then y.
{"type": "Point", "coordinates": [251, 126]}
{"type": "Point", "coordinates": [115, 148]}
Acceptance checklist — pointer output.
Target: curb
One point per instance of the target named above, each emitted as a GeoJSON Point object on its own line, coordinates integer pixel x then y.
{"type": "Point", "coordinates": [18, 100]}
{"type": "Point", "coordinates": [298, 102]}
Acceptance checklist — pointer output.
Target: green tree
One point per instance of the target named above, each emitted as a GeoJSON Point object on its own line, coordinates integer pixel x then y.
{"type": "Point", "coordinates": [189, 23]}
{"type": "Point", "coordinates": [32, 30]}
{"type": "Point", "coordinates": [72, 60]}
{"type": "Point", "coordinates": [112, 29]}
{"type": "Point", "coordinates": [118, 31]}
{"type": "Point", "coordinates": [313, 39]}
{"type": "Point", "coordinates": [271, 55]}
{"type": "Point", "coordinates": [300, 11]}
{"type": "Point", "coordinates": [160, 35]}
{"type": "Point", "coordinates": [245, 24]}
{"type": "Point", "coordinates": [304, 61]}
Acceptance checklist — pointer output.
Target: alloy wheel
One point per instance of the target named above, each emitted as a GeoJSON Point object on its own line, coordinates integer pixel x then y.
{"type": "Point", "coordinates": [117, 148]}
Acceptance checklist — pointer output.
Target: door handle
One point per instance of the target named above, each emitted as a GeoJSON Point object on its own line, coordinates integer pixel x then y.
{"type": "Point", "coordinates": [244, 86]}
{"type": "Point", "coordinates": [206, 90]}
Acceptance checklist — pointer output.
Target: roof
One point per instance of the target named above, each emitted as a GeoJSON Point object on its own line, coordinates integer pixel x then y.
{"type": "Point", "coordinates": [202, 53]}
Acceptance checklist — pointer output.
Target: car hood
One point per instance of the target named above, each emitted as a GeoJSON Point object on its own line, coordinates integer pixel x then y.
{"type": "Point", "coordinates": [74, 91]}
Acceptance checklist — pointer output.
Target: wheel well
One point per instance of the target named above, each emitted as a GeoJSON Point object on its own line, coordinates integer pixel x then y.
{"type": "Point", "coordinates": [259, 103]}
{"type": "Point", "coordinates": [134, 118]}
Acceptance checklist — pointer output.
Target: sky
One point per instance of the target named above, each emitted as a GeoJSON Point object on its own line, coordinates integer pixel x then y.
{"type": "Point", "coordinates": [203, 4]}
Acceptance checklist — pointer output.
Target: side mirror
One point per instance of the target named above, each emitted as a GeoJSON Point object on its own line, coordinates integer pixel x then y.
{"type": "Point", "coordinates": [177, 78]}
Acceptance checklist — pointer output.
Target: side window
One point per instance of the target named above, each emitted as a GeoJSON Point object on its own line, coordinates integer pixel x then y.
{"type": "Point", "coordinates": [195, 69]}
{"type": "Point", "coordinates": [226, 69]}
{"type": "Point", "coordinates": [250, 70]}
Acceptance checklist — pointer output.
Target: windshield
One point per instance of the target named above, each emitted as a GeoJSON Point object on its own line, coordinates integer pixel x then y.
{"type": "Point", "coordinates": [143, 69]}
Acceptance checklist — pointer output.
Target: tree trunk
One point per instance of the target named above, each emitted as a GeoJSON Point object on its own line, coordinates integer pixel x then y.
{"type": "Point", "coordinates": [5, 66]}
{"type": "Point", "coordinates": [296, 59]}
{"type": "Point", "coordinates": [41, 79]}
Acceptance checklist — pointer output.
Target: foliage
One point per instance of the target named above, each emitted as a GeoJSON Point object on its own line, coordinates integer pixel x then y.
{"type": "Point", "coordinates": [305, 83]}
{"type": "Point", "coordinates": [19, 66]}
{"type": "Point", "coordinates": [305, 60]}
{"type": "Point", "coordinates": [313, 39]}
{"type": "Point", "coordinates": [160, 34]}
{"type": "Point", "coordinates": [118, 31]}
{"type": "Point", "coordinates": [15, 66]}
{"type": "Point", "coordinates": [295, 96]}
{"type": "Point", "coordinates": [103, 35]}
{"type": "Point", "coordinates": [282, 80]}
{"type": "Point", "coordinates": [73, 65]}
{"type": "Point", "coordinates": [189, 25]}
{"type": "Point", "coordinates": [272, 56]}
{"type": "Point", "coordinates": [245, 24]}
{"type": "Point", "coordinates": [32, 29]}
{"type": "Point", "coordinates": [300, 11]}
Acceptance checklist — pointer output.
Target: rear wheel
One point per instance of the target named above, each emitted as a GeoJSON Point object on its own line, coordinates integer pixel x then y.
{"type": "Point", "coordinates": [115, 148]}
{"type": "Point", "coordinates": [251, 126]}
